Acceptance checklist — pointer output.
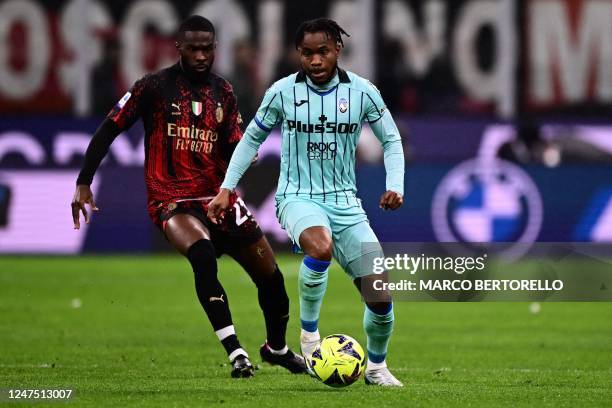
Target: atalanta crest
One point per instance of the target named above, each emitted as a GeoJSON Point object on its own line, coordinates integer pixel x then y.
{"type": "Point", "coordinates": [343, 105]}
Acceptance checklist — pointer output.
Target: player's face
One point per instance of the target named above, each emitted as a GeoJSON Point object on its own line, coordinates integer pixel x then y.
{"type": "Point", "coordinates": [197, 49]}
{"type": "Point", "coordinates": [319, 56]}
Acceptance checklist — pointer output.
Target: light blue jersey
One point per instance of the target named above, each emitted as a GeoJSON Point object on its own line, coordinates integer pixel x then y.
{"type": "Point", "coordinates": [320, 127]}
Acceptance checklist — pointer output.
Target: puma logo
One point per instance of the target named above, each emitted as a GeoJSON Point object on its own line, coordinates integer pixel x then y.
{"type": "Point", "coordinates": [300, 103]}
{"type": "Point", "coordinates": [213, 298]}
{"type": "Point", "coordinates": [178, 109]}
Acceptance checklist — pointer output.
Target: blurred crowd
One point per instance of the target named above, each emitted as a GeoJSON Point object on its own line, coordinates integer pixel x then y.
{"type": "Point", "coordinates": [405, 92]}
{"type": "Point", "coordinates": [402, 89]}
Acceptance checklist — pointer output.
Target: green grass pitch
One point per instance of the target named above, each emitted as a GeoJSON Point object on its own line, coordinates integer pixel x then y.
{"type": "Point", "coordinates": [139, 338]}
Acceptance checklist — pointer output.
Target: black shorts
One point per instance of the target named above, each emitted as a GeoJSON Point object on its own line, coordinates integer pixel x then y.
{"type": "Point", "coordinates": [237, 229]}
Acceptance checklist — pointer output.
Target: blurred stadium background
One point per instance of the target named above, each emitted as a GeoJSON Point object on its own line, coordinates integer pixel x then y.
{"type": "Point", "coordinates": [469, 82]}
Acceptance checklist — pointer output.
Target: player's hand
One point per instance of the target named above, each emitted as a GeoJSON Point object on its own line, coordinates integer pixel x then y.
{"type": "Point", "coordinates": [218, 205]}
{"type": "Point", "coordinates": [390, 200]}
{"type": "Point", "coordinates": [82, 196]}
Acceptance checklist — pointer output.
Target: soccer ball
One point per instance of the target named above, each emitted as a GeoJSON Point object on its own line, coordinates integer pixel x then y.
{"type": "Point", "coordinates": [338, 360]}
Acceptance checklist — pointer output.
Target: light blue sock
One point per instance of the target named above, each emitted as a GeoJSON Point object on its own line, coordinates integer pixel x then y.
{"type": "Point", "coordinates": [378, 328]}
{"type": "Point", "coordinates": [312, 283]}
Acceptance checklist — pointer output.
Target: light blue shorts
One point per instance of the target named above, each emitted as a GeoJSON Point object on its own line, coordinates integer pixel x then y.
{"type": "Point", "coordinates": [353, 238]}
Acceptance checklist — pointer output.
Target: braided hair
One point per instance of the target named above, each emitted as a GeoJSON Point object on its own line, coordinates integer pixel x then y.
{"type": "Point", "coordinates": [325, 25]}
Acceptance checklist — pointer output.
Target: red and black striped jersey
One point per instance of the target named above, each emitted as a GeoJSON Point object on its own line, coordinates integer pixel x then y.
{"type": "Point", "coordinates": [191, 130]}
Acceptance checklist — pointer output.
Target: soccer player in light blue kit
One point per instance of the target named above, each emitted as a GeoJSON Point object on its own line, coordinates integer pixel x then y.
{"type": "Point", "coordinates": [321, 110]}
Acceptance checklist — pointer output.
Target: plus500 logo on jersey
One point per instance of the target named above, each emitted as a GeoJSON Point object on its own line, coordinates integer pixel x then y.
{"type": "Point", "coordinates": [327, 127]}
{"type": "Point", "coordinates": [321, 150]}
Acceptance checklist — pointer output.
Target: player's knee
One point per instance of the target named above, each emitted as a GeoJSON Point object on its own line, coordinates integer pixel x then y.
{"type": "Point", "coordinates": [380, 308]}
{"type": "Point", "coordinates": [371, 292]}
{"type": "Point", "coordinates": [202, 257]}
{"type": "Point", "coordinates": [321, 248]}
{"type": "Point", "coordinates": [316, 242]}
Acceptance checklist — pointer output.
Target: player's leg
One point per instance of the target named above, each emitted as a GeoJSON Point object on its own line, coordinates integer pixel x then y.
{"type": "Point", "coordinates": [192, 239]}
{"type": "Point", "coordinates": [308, 225]}
{"type": "Point", "coordinates": [359, 245]}
{"type": "Point", "coordinates": [378, 319]}
{"type": "Point", "coordinates": [258, 261]}
{"type": "Point", "coordinates": [317, 245]}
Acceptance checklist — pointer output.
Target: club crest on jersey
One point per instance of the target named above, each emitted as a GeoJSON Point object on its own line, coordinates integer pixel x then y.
{"type": "Point", "coordinates": [343, 105]}
{"type": "Point", "coordinates": [219, 113]}
{"type": "Point", "coordinates": [196, 108]}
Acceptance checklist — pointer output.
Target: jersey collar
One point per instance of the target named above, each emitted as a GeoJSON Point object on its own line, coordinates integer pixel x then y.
{"type": "Point", "coordinates": [342, 76]}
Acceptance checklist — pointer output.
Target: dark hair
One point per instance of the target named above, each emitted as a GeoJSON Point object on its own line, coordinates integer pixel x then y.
{"type": "Point", "coordinates": [325, 25]}
{"type": "Point", "coordinates": [196, 23]}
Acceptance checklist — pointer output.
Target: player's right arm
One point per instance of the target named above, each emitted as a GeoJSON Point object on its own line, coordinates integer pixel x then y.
{"type": "Point", "coordinates": [267, 116]}
{"type": "Point", "coordinates": [121, 117]}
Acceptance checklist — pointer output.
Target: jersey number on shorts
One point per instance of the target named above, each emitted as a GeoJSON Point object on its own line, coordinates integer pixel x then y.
{"type": "Point", "coordinates": [239, 205]}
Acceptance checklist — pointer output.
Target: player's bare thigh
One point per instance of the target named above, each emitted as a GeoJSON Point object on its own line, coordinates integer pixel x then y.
{"type": "Point", "coordinates": [184, 230]}
{"type": "Point", "coordinates": [257, 259]}
{"type": "Point", "coordinates": [316, 242]}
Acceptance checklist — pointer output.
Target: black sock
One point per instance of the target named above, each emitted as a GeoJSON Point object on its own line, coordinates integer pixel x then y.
{"type": "Point", "coordinates": [275, 306]}
{"type": "Point", "coordinates": [211, 295]}
{"type": "Point", "coordinates": [230, 343]}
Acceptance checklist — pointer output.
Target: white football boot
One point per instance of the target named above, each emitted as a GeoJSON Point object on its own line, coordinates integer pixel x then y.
{"type": "Point", "coordinates": [308, 343]}
{"type": "Point", "coordinates": [379, 374]}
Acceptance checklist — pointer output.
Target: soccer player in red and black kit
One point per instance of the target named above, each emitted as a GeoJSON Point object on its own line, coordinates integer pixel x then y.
{"type": "Point", "coordinates": [191, 126]}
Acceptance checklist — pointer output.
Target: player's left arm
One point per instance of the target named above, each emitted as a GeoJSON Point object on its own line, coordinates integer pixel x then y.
{"type": "Point", "coordinates": [384, 128]}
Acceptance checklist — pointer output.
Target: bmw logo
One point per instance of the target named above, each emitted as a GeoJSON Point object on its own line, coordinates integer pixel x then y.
{"type": "Point", "coordinates": [483, 201]}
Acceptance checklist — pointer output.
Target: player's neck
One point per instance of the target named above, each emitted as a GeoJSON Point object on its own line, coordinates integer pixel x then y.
{"type": "Point", "coordinates": [333, 81]}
